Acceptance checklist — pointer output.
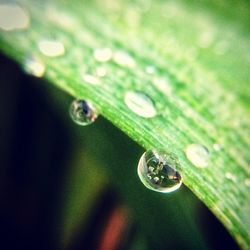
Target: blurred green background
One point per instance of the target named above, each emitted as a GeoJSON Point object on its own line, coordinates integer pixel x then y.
{"type": "Point", "coordinates": [63, 186]}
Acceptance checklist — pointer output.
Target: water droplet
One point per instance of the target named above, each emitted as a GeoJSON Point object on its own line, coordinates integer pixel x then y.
{"type": "Point", "coordinates": [124, 59]}
{"type": "Point", "coordinates": [93, 76]}
{"type": "Point", "coordinates": [140, 104]}
{"type": "Point", "coordinates": [34, 66]}
{"type": "Point", "coordinates": [157, 171]}
{"type": "Point", "coordinates": [230, 176]}
{"type": "Point", "coordinates": [247, 182]}
{"type": "Point", "coordinates": [51, 48]}
{"type": "Point", "coordinates": [103, 54]}
{"type": "Point", "coordinates": [13, 17]}
{"type": "Point", "coordinates": [82, 112]}
{"type": "Point", "coordinates": [198, 155]}
{"type": "Point", "coordinates": [92, 79]}
{"type": "Point", "coordinates": [162, 83]}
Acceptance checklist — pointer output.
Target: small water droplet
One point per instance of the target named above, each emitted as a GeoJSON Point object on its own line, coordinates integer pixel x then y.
{"type": "Point", "coordinates": [103, 54]}
{"type": "Point", "coordinates": [124, 59]}
{"type": "Point", "coordinates": [92, 76]}
{"type": "Point", "coordinates": [34, 66]}
{"type": "Point", "coordinates": [140, 104]}
{"type": "Point", "coordinates": [247, 182]}
{"type": "Point", "coordinates": [82, 112]}
{"type": "Point", "coordinates": [230, 176]}
{"type": "Point", "coordinates": [162, 83]}
{"type": "Point", "coordinates": [92, 79]}
{"type": "Point", "coordinates": [157, 171]}
{"type": "Point", "coordinates": [51, 48]}
{"type": "Point", "coordinates": [198, 155]}
{"type": "Point", "coordinates": [13, 17]}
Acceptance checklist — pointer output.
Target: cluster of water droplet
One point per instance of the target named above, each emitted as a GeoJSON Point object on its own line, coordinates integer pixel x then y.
{"type": "Point", "coordinates": [156, 168]}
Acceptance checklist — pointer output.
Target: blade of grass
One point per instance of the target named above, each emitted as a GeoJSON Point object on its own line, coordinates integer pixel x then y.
{"type": "Point", "coordinates": [201, 96]}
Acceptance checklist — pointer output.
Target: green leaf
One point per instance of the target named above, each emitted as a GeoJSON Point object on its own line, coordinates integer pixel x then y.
{"type": "Point", "coordinates": [199, 53]}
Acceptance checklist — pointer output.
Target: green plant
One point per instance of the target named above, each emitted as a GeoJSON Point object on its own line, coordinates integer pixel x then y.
{"type": "Point", "coordinates": [191, 59]}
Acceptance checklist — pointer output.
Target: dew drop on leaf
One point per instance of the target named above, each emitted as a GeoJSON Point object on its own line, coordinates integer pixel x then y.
{"type": "Point", "coordinates": [140, 104]}
{"type": "Point", "coordinates": [91, 79]}
{"type": "Point", "coordinates": [13, 17]}
{"type": "Point", "coordinates": [103, 54]}
{"type": "Point", "coordinates": [82, 112]}
{"type": "Point", "coordinates": [198, 155]}
{"type": "Point", "coordinates": [157, 171]}
{"type": "Point", "coordinates": [124, 59]}
{"type": "Point", "coordinates": [230, 176]}
{"type": "Point", "coordinates": [34, 66]}
{"type": "Point", "coordinates": [51, 48]}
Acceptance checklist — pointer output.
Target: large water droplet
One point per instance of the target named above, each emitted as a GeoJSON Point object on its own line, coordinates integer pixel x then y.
{"type": "Point", "coordinates": [34, 66]}
{"type": "Point", "coordinates": [51, 48]}
{"type": "Point", "coordinates": [198, 155]}
{"type": "Point", "coordinates": [103, 54]}
{"type": "Point", "coordinates": [157, 171]}
{"type": "Point", "coordinates": [82, 112]}
{"type": "Point", "coordinates": [13, 17]}
{"type": "Point", "coordinates": [140, 104]}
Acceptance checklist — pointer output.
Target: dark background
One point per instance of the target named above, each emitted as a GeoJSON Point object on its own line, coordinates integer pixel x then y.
{"type": "Point", "coordinates": [68, 187]}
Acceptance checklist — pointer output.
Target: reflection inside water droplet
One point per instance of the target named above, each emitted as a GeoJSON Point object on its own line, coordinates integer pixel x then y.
{"type": "Point", "coordinates": [157, 171]}
{"type": "Point", "coordinates": [140, 104]}
{"type": "Point", "coordinates": [13, 17]}
{"type": "Point", "coordinates": [198, 155]}
{"type": "Point", "coordinates": [51, 48]}
{"type": "Point", "coordinates": [34, 66]}
{"type": "Point", "coordinates": [82, 112]}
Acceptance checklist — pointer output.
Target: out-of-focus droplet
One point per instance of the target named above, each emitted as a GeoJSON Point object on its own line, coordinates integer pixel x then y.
{"type": "Point", "coordinates": [91, 79]}
{"type": "Point", "coordinates": [13, 17]}
{"type": "Point", "coordinates": [157, 171]}
{"type": "Point", "coordinates": [124, 59]}
{"type": "Point", "coordinates": [230, 176]}
{"type": "Point", "coordinates": [82, 112]}
{"type": "Point", "coordinates": [140, 104]}
{"type": "Point", "coordinates": [34, 66]}
{"type": "Point", "coordinates": [51, 48]}
{"type": "Point", "coordinates": [198, 155]}
{"type": "Point", "coordinates": [103, 54]}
